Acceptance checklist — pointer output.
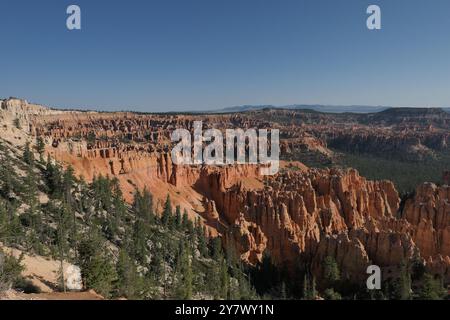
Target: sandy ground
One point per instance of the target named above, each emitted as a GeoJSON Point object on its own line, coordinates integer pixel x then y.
{"type": "Point", "coordinates": [14, 295]}
{"type": "Point", "coordinates": [42, 272]}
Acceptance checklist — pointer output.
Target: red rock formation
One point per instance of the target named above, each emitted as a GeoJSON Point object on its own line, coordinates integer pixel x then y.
{"type": "Point", "coordinates": [312, 214]}
{"type": "Point", "coordinates": [298, 216]}
{"type": "Point", "coordinates": [429, 211]}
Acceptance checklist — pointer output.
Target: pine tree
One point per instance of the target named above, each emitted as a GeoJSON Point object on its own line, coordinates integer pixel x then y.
{"type": "Point", "coordinates": [32, 216]}
{"type": "Point", "coordinates": [330, 294]}
{"type": "Point", "coordinates": [246, 291]}
{"type": "Point", "coordinates": [167, 213]}
{"type": "Point", "coordinates": [283, 291]}
{"type": "Point", "coordinates": [53, 178]}
{"type": "Point", "coordinates": [143, 206]}
{"type": "Point", "coordinates": [3, 221]}
{"type": "Point", "coordinates": [401, 287]}
{"type": "Point", "coordinates": [30, 191]}
{"type": "Point", "coordinates": [216, 248]}
{"type": "Point", "coordinates": [10, 269]}
{"type": "Point", "coordinates": [11, 229]}
{"type": "Point", "coordinates": [309, 287]}
{"type": "Point", "coordinates": [40, 147]}
{"type": "Point", "coordinates": [417, 267]}
{"type": "Point", "coordinates": [28, 156]}
{"type": "Point", "coordinates": [7, 177]}
{"type": "Point", "coordinates": [97, 270]}
{"type": "Point", "coordinates": [178, 217]}
{"type": "Point", "coordinates": [156, 264]}
{"type": "Point", "coordinates": [185, 220]}
{"type": "Point", "coordinates": [102, 188]}
{"type": "Point", "coordinates": [184, 273]}
{"type": "Point", "coordinates": [331, 274]}
{"type": "Point", "coordinates": [190, 228]}
{"type": "Point", "coordinates": [202, 242]}
{"type": "Point", "coordinates": [127, 277]}
{"type": "Point", "coordinates": [224, 279]}
{"type": "Point", "coordinates": [198, 226]}
{"type": "Point", "coordinates": [17, 123]}
{"type": "Point", "coordinates": [68, 180]}
{"type": "Point", "coordinates": [431, 288]}
{"type": "Point", "coordinates": [62, 243]}
{"type": "Point", "coordinates": [188, 277]}
{"type": "Point", "coordinates": [313, 288]}
{"type": "Point", "coordinates": [91, 138]}
{"type": "Point", "coordinates": [140, 248]}
{"type": "Point", "coordinates": [62, 227]}
{"type": "Point", "coordinates": [119, 209]}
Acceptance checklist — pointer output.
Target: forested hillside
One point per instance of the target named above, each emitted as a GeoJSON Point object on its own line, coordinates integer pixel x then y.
{"type": "Point", "coordinates": [123, 250]}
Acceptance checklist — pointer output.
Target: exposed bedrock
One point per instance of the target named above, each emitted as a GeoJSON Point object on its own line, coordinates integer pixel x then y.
{"type": "Point", "coordinates": [297, 216]}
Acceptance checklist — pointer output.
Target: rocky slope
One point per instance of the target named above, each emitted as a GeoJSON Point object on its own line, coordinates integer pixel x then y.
{"type": "Point", "coordinates": [298, 216]}
{"type": "Point", "coordinates": [319, 213]}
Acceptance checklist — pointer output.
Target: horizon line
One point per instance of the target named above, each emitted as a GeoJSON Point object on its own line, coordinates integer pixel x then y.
{"type": "Point", "coordinates": [245, 107]}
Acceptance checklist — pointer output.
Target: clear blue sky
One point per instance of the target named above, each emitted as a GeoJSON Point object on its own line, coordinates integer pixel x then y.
{"type": "Point", "coordinates": [164, 55]}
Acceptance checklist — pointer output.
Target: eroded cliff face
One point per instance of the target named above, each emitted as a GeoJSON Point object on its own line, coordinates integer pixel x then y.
{"type": "Point", "coordinates": [306, 216]}
{"type": "Point", "coordinates": [429, 212]}
{"type": "Point", "coordinates": [298, 216]}
{"type": "Point", "coordinates": [318, 213]}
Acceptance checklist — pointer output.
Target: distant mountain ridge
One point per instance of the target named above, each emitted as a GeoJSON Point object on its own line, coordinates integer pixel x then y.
{"type": "Point", "coordinates": [319, 108]}
{"type": "Point", "coordinates": [362, 109]}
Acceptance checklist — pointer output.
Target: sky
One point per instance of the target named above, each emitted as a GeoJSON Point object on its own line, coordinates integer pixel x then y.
{"type": "Point", "coordinates": [172, 55]}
